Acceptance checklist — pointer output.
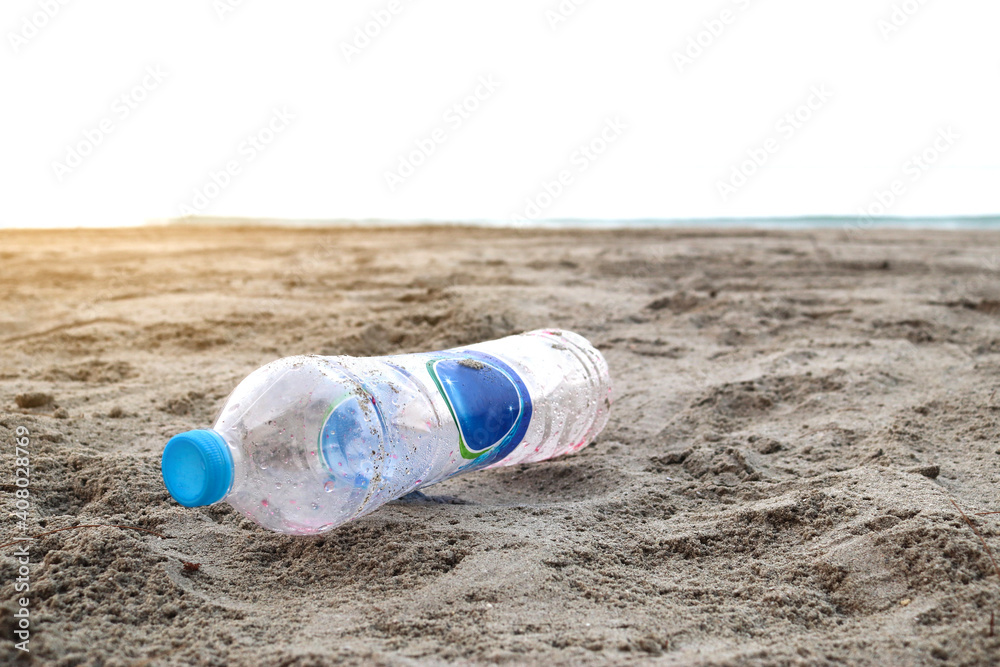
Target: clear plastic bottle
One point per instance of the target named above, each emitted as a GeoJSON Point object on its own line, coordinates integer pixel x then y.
{"type": "Point", "coordinates": [307, 443]}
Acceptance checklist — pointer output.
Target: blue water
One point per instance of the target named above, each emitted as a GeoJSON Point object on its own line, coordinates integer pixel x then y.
{"type": "Point", "coordinates": [806, 222]}
{"type": "Point", "coordinates": [852, 222]}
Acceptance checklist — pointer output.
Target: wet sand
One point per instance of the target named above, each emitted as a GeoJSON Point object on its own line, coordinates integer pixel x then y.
{"type": "Point", "coordinates": [794, 413]}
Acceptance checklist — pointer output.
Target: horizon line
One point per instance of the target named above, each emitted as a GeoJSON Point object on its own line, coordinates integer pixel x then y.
{"type": "Point", "coordinates": [976, 220]}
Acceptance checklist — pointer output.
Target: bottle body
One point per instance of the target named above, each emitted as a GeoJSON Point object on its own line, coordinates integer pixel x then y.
{"type": "Point", "coordinates": [318, 441]}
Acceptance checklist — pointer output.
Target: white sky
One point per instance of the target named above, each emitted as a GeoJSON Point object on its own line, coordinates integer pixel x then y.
{"type": "Point", "coordinates": [681, 133]}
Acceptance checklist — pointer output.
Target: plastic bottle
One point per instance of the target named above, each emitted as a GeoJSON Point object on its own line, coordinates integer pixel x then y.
{"type": "Point", "coordinates": [307, 443]}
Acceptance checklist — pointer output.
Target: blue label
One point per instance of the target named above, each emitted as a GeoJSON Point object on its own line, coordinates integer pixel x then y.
{"type": "Point", "coordinates": [488, 401]}
{"type": "Point", "coordinates": [351, 441]}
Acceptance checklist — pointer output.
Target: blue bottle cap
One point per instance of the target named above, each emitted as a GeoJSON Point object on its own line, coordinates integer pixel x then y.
{"type": "Point", "coordinates": [197, 468]}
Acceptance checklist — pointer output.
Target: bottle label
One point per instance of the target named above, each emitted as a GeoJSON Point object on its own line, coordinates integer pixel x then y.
{"type": "Point", "coordinates": [349, 444]}
{"type": "Point", "coordinates": [488, 402]}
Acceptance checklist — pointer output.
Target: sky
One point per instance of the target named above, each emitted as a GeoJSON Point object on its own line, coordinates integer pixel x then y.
{"type": "Point", "coordinates": [122, 112]}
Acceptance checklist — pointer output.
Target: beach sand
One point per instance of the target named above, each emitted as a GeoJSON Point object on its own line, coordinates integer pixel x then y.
{"type": "Point", "coordinates": [794, 412]}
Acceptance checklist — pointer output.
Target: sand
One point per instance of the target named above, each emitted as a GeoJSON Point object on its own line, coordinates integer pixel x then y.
{"type": "Point", "coordinates": [794, 412]}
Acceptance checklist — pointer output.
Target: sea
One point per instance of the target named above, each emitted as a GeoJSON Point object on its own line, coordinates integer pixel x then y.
{"type": "Point", "coordinates": [988, 222]}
